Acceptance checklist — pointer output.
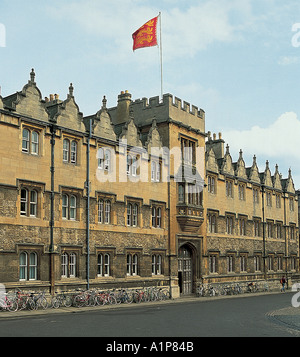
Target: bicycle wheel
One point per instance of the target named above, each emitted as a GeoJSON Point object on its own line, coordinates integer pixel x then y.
{"type": "Point", "coordinates": [11, 305]}
{"type": "Point", "coordinates": [55, 302]}
{"type": "Point", "coordinates": [79, 301]}
{"type": "Point", "coordinates": [42, 302]}
{"type": "Point", "coordinates": [67, 301]}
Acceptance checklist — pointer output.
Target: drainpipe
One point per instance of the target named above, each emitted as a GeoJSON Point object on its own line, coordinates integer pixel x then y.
{"type": "Point", "coordinates": [88, 189]}
{"type": "Point", "coordinates": [51, 247]}
{"type": "Point", "coordinates": [264, 233]}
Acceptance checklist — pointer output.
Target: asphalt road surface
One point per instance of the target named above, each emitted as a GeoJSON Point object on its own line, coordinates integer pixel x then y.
{"type": "Point", "coordinates": [239, 316]}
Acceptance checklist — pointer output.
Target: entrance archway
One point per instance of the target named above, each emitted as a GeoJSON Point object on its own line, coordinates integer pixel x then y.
{"type": "Point", "coordinates": [185, 270]}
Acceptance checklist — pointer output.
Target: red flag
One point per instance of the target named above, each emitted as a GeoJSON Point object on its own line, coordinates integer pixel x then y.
{"type": "Point", "coordinates": [146, 35]}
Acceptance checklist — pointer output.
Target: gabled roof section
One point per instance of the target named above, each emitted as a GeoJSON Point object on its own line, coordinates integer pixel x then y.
{"type": "Point", "coordinates": [277, 179]}
{"type": "Point", "coordinates": [68, 114]}
{"type": "Point", "coordinates": [211, 161]}
{"type": "Point", "coordinates": [254, 173]}
{"type": "Point", "coordinates": [227, 166]}
{"type": "Point", "coordinates": [153, 138]}
{"type": "Point", "coordinates": [240, 170]}
{"type": "Point", "coordinates": [28, 102]}
{"type": "Point", "coordinates": [102, 123]}
{"type": "Point", "coordinates": [130, 132]}
{"type": "Point", "coordinates": [266, 176]}
{"type": "Point", "coordinates": [288, 184]}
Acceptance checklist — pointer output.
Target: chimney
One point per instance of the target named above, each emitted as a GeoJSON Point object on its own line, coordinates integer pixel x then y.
{"type": "Point", "coordinates": [217, 145]}
{"type": "Point", "coordinates": [124, 101]}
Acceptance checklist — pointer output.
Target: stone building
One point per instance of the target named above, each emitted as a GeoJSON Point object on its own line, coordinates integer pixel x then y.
{"type": "Point", "coordinates": [134, 195]}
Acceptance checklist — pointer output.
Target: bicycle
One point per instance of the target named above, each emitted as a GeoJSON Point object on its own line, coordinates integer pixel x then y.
{"type": "Point", "coordinates": [8, 303]}
{"type": "Point", "coordinates": [24, 300]}
{"type": "Point", "coordinates": [39, 300]}
{"type": "Point", "coordinates": [61, 299]}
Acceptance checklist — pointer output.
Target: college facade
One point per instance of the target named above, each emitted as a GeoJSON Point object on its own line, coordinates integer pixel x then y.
{"type": "Point", "coordinates": [135, 195]}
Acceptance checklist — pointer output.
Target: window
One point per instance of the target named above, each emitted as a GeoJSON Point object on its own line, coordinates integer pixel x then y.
{"type": "Point", "coordinates": [255, 195]}
{"type": "Point", "coordinates": [29, 202]}
{"type": "Point", "coordinates": [30, 141]}
{"type": "Point", "coordinates": [66, 146]}
{"type": "Point", "coordinates": [156, 217]}
{"type": "Point", "coordinates": [188, 150]}
{"type": "Point", "coordinates": [242, 196]}
{"type": "Point", "coordinates": [212, 228]}
{"type": "Point", "coordinates": [229, 224]}
{"type": "Point", "coordinates": [73, 152]}
{"type": "Point", "coordinates": [69, 207]}
{"type": "Point", "coordinates": [279, 262]}
{"type": "Point", "coordinates": [68, 265]}
{"type": "Point", "coordinates": [28, 266]}
{"type": "Point", "coordinates": [278, 201]}
{"type": "Point", "coordinates": [257, 263]}
{"type": "Point", "coordinates": [103, 265]}
{"type": "Point", "coordinates": [242, 226]}
{"type": "Point", "coordinates": [104, 211]}
{"type": "Point", "coordinates": [104, 159]}
{"type": "Point", "coordinates": [229, 189]}
{"type": "Point", "coordinates": [132, 214]}
{"type": "Point", "coordinates": [213, 264]}
{"type": "Point", "coordinates": [230, 263]}
{"type": "Point", "coordinates": [155, 171]}
{"type": "Point", "coordinates": [70, 151]}
{"type": "Point", "coordinates": [132, 264]}
{"type": "Point", "coordinates": [211, 187]}
{"type": "Point", "coordinates": [279, 230]}
{"type": "Point", "coordinates": [269, 198]}
{"type": "Point", "coordinates": [132, 162]}
{"type": "Point", "coordinates": [25, 140]}
{"type": "Point", "coordinates": [181, 193]}
{"type": "Point", "coordinates": [291, 204]}
{"type": "Point", "coordinates": [256, 228]}
{"type": "Point", "coordinates": [292, 232]}
{"type": "Point", "coordinates": [270, 262]}
{"type": "Point", "coordinates": [243, 263]}
{"type": "Point", "coordinates": [156, 264]}
{"type": "Point", "coordinates": [195, 195]}
{"type": "Point", "coordinates": [269, 229]}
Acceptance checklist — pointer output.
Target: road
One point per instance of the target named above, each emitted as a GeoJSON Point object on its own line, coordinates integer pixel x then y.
{"type": "Point", "coordinates": [239, 316]}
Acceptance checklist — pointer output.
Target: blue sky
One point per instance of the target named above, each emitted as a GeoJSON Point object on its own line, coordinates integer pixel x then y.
{"type": "Point", "coordinates": [233, 58]}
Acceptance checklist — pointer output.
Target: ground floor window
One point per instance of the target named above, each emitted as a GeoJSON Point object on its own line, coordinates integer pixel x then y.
{"type": "Point", "coordinates": [68, 265]}
{"type": "Point", "coordinates": [28, 266]}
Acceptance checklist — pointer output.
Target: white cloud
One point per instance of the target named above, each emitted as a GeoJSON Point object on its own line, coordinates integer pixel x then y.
{"type": "Point", "coordinates": [288, 60]}
{"type": "Point", "coordinates": [186, 30]}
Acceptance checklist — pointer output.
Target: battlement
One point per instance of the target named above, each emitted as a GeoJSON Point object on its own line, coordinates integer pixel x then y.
{"type": "Point", "coordinates": [168, 100]}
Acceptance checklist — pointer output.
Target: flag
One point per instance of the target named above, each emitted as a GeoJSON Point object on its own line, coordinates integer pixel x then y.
{"type": "Point", "coordinates": [146, 35]}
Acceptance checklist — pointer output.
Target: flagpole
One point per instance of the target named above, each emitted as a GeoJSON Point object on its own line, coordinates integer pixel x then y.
{"type": "Point", "coordinates": [161, 59]}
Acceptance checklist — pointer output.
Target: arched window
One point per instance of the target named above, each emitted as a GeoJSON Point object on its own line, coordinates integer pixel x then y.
{"type": "Point", "coordinates": [33, 203]}
{"type": "Point", "coordinates": [28, 265]}
{"type": "Point", "coordinates": [73, 152]}
{"type": "Point", "coordinates": [28, 203]}
{"type": "Point", "coordinates": [68, 265]}
{"type": "Point", "coordinates": [34, 143]}
{"type": "Point", "coordinates": [24, 202]}
{"type": "Point", "coordinates": [32, 266]}
{"type": "Point", "coordinates": [66, 150]}
{"type": "Point", "coordinates": [100, 211]}
{"type": "Point", "coordinates": [25, 140]}
{"type": "Point", "coordinates": [73, 208]}
{"type": "Point", "coordinates": [23, 266]}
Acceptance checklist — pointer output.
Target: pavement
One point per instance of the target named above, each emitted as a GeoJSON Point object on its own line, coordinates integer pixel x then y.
{"type": "Point", "coordinates": [289, 316]}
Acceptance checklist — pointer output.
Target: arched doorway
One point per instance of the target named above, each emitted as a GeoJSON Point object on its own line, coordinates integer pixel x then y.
{"type": "Point", "coordinates": [185, 270]}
